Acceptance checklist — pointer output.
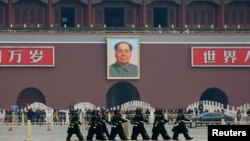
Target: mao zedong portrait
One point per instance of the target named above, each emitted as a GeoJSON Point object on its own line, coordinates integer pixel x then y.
{"type": "Point", "coordinates": [122, 67]}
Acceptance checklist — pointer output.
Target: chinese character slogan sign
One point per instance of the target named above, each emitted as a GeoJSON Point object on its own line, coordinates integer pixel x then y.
{"type": "Point", "coordinates": [31, 56]}
{"type": "Point", "coordinates": [220, 56]}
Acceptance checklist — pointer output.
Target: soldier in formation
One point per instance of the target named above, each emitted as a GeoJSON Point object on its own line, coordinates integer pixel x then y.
{"type": "Point", "coordinates": [117, 127]}
{"type": "Point", "coordinates": [96, 127]}
{"type": "Point", "coordinates": [138, 128]}
{"type": "Point", "coordinates": [159, 126]}
{"type": "Point", "coordinates": [104, 120]}
{"type": "Point", "coordinates": [74, 127]}
{"type": "Point", "coordinates": [180, 126]}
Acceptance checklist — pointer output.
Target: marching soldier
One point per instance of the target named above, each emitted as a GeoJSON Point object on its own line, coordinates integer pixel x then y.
{"type": "Point", "coordinates": [158, 126]}
{"type": "Point", "coordinates": [138, 127]}
{"type": "Point", "coordinates": [200, 107]}
{"type": "Point", "coordinates": [180, 126]}
{"type": "Point", "coordinates": [104, 120]}
{"type": "Point", "coordinates": [117, 127]}
{"type": "Point", "coordinates": [238, 116]}
{"type": "Point", "coordinates": [71, 110]}
{"type": "Point", "coordinates": [74, 127]}
{"type": "Point", "coordinates": [95, 127]}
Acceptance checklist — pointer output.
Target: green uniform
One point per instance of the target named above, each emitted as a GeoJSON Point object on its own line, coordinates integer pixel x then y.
{"type": "Point", "coordinates": [116, 70]}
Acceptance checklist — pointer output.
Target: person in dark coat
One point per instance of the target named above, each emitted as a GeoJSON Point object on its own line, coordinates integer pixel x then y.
{"type": "Point", "coordinates": [159, 126]}
{"type": "Point", "coordinates": [104, 120]}
{"type": "Point", "coordinates": [71, 110]}
{"type": "Point", "coordinates": [238, 116]}
{"type": "Point", "coordinates": [95, 127]}
{"type": "Point", "coordinates": [138, 128]}
{"type": "Point", "coordinates": [200, 107]}
{"type": "Point", "coordinates": [180, 126]}
{"type": "Point", "coordinates": [117, 127]}
{"type": "Point", "coordinates": [74, 127]}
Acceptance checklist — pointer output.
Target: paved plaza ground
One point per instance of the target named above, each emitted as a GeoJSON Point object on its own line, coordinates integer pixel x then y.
{"type": "Point", "coordinates": [58, 133]}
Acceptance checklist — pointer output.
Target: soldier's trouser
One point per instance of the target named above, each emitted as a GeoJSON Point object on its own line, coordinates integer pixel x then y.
{"type": "Point", "coordinates": [165, 136]}
{"type": "Point", "coordinates": [105, 129]}
{"type": "Point", "coordinates": [145, 136]}
{"type": "Point", "coordinates": [79, 135]}
{"type": "Point", "coordinates": [69, 136]}
{"type": "Point", "coordinates": [113, 134]}
{"type": "Point", "coordinates": [120, 132]}
{"type": "Point", "coordinates": [100, 136]}
{"type": "Point", "coordinates": [122, 135]}
{"type": "Point", "coordinates": [155, 135]}
{"type": "Point", "coordinates": [90, 134]}
{"type": "Point", "coordinates": [175, 136]}
{"type": "Point", "coordinates": [135, 133]}
{"type": "Point", "coordinates": [186, 135]}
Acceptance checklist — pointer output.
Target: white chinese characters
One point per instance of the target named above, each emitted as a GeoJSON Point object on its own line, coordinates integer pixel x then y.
{"type": "Point", "coordinates": [15, 55]}
{"type": "Point", "coordinates": [220, 56]}
{"type": "Point", "coordinates": [228, 55]}
{"type": "Point", "coordinates": [209, 56]}
{"type": "Point", "coordinates": [27, 56]}
{"type": "Point", "coordinates": [247, 56]}
{"type": "Point", "coordinates": [36, 56]}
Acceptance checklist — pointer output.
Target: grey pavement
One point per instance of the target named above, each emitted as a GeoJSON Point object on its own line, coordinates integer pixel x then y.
{"type": "Point", "coordinates": [58, 133]}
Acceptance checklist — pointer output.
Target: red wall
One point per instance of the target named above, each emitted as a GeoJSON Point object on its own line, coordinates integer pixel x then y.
{"type": "Point", "coordinates": [167, 78]}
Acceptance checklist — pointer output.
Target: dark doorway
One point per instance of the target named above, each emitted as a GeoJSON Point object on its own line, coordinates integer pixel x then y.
{"type": "Point", "coordinates": [215, 94]}
{"type": "Point", "coordinates": [28, 96]}
{"type": "Point", "coordinates": [120, 93]}
{"type": "Point", "coordinates": [114, 17]}
{"type": "Point", "coordinates": [68, 16]}
{"type": "Point", "coordinates": [160, 17]}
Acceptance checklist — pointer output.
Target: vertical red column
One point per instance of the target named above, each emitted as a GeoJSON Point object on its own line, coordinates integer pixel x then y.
{"type": "Point", "coordinates": [49, 13]}
{"type": "Point", "coordinates": [144, 13]}
{"type": "Point", "coordinates": [217, 17]}
{"type": "Point", "coordinates": [183, 13]}
{"type": "Point", "coordinates": [222, 14]}
{"type": "Point", "coordinates": [10, 13]}
{"type": "Point", "coordinates": [89, 14]}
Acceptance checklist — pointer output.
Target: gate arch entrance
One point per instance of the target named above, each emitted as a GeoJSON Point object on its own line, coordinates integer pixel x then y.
{"type": "Point", "coordinates": [28, 96]}
{"type": "Point", "coordinates": [215, 94]}
{"type": "Point", "coordinates": [120, 93]}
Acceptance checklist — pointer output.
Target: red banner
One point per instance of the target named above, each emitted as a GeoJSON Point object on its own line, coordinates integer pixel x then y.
{"type": "Point", "coordinates": [32, 56]}
{"type": "Point", "coordinates": [220, 56]}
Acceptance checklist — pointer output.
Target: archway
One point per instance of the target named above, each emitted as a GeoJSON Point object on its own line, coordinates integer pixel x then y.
{"type": "Point", "coordinates": [28, 96]}
{"type": "Point", "coordinates": [120, 93]}
{"type": "Point", "coordinates": [215, 94]}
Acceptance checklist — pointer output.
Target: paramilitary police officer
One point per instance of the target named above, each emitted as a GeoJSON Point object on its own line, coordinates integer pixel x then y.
{"type": "Point", "coordinates": [158, 126]}
{"type": "Point", "coordinates": [95, 127]}
{"type": "Point", "coordinates": [181, 126]}
{"type": "Point", "coordinates": [74, 127]}
{"type": "Point", "coordinates": [104, 120]}
{"type": "Point", "coordinates": [117, 127]}
{"type": "Point", "coordinates": [138, 127]}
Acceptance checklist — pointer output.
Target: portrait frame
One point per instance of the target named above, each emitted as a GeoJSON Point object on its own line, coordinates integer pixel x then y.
{"type": "Point", "coordinates": [134, 59]}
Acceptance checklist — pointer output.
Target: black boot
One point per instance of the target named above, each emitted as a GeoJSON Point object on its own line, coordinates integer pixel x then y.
{"type": "Point", "coordinates": [187, 136]}
{"type": "Point", "coordinates": [166, 136]}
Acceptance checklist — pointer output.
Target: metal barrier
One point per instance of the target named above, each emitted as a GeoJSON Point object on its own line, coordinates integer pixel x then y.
{"type": "Point", "coordinates": [58, 130]}
{"type": "Point", "coordinates": [144, 30]}
{"type": "Point", "coordinates": [33, 132]}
